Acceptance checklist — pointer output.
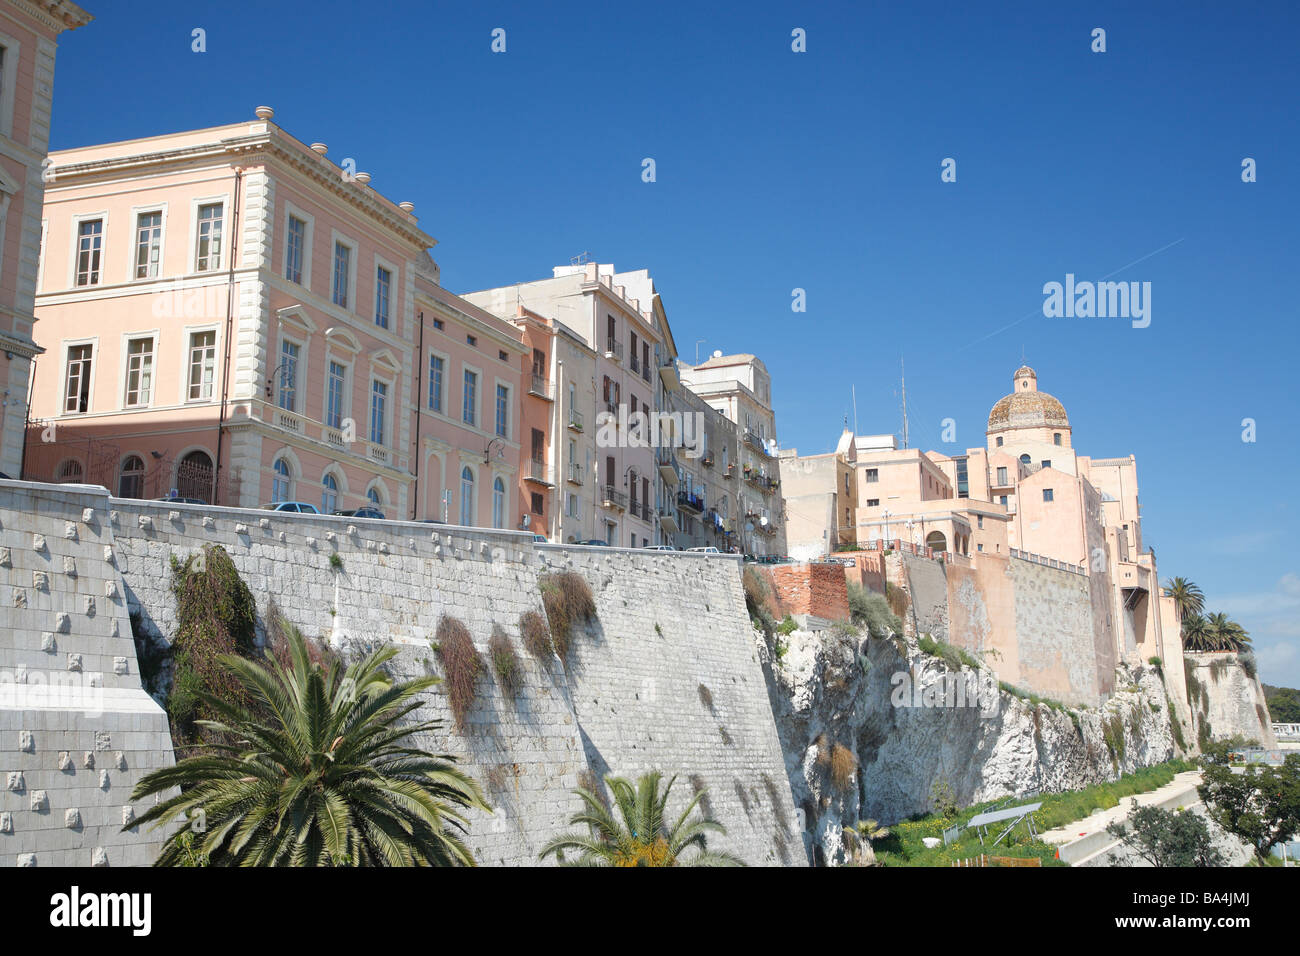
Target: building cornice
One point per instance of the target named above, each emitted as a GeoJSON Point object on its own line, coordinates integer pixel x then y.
{"type": "Point", "coordinates": [58, 15]}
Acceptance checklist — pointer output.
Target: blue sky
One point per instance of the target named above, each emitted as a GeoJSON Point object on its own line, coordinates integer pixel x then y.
{"type": "Point", "coordinates": [820, 171]}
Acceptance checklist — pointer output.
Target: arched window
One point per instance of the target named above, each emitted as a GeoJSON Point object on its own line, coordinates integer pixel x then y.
{"type": "Point", "coordinates": [372, 496]}
{"type": "Point", "coordinates": [498, 504]}
{"type": "Point", "coordinates": [1056, 438]}
{"type": "Point", "coordinates": [69, 472]}
{"type": "Point", "coordinates": [467, 497]}
{"type": "Point", "coordinates": [1025, 459]}
{"type": "Point", "coordinates": [130, 484]}
{"type": "Point", "coordinates": [329, 495]}
{"type": "Point", "coordinates": [281, 481]}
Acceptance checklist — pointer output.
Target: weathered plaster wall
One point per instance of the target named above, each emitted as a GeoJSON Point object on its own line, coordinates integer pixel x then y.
{"type": "Point", "coordinates": [1054, 633]}
{"type": "Point", "coordinates": [77, 730]}
{"type": "Point", "coordinates": [667, 678]}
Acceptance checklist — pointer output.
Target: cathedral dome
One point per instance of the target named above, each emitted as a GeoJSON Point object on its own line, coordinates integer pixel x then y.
{"type": "Point", "coordinates": [1027, 407]}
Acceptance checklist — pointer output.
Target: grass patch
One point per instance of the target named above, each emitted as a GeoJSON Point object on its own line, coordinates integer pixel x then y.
{"type": "Point", "coordinates": [843, 766]}
{"type": "Point", "coordinates": [904, 847]}
{"type": "Point", "coordinates": [1036, 701]}
{"type": "Point", "coordinates": [756, 601]}
{"type": "Point", "coordinates": [1112, 731]}
{"type": "Point", "coordinates": [336, 561]}
{"type": "Point", "coordinates": [872, 611]}
{"type": "Point", "coordinates": [954, 657]}
{"type": "Point", "coordinates": [505, 661]}
{"type": "Point", "coordinates": [461, 664]}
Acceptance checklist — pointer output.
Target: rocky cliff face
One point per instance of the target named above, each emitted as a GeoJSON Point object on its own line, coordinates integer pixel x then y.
{"type": "Point", "coordinates": [876, 729]}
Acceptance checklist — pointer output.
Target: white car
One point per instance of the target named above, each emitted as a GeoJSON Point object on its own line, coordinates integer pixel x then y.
{"type": "Point", "coordinates": [661, 547]}
{"type": "Point", "coordinates": [708, 550]}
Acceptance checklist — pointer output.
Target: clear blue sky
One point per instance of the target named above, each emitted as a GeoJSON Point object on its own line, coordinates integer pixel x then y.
{"type": "Point", "coordinates": [820, 171]}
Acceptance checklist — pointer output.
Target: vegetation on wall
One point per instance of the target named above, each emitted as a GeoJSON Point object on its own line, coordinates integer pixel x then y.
{"type": "Point", "coordinates": [319, 773]}
{"type": "Point", "coordinates": [636, 831]}
{"type": "Point", "coordinates": [872, 612]}
{"type": "Point", "coordinates": [756, 601]}
{"type": "Point", "coordinates": [215, 616]}
{"type": "Point", "coordinates": [461, 664]}
{"type": "Point", "coordinates": [566, 596]}
{"type": "Point", "coordinates": [535, 634]}
{"type": "Point", "coordinates": [505, 661]}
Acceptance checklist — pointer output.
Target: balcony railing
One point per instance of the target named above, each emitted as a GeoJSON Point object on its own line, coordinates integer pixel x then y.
{"type": "Point", "coordinates": [634, 362]}
{"type": "Point", "coordinates": [645, 371]}
{"type": "Point", "coordinates": [666, 461]}
{"type": "Point", "coordinates": [541, 387]}
{"type": "Point", "coordinates": [288, 421]}
{"type": "Point", "coordinates": [575, 419]}
{"type": "Point", "coordinates": [576, 473]}
{"type": "Point", "coordinates": [538, 471]}
{"type": "Point", "coordinates": [757, 442]}
{"type": "Point", "coordinates": [689, 502]}
{"type": "Point", "coordinates": [377, 453]}
{"type": "Point", "coordinates": [611, 497]}
{"type": "Point", "coordinates": [614, 349]}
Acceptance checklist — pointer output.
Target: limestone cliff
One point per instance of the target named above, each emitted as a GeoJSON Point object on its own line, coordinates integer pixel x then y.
{"type": "Point", "coordinates": [919, 729]}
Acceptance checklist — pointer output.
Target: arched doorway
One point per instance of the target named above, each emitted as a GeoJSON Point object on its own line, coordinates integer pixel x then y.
{"type": "Point", "coordinates": [936, 541]}
{"type": "Point", "coordinates": [194, 477]}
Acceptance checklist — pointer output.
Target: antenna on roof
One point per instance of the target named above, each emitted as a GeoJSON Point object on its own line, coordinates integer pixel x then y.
{"type": "Point", "coordinates": [581, 259]}
{"type": "Point", "coordinates": [902, 378]}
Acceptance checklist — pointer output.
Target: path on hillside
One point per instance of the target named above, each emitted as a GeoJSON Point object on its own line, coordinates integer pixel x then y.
{"type": "Point", "coordinates": [1083, 838]}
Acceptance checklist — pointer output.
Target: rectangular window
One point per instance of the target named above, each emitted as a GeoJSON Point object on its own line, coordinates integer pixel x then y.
{"type": "Point", "coordinates": [139, 372]}
{"type": "Point", "coordinates": [873, 502]}
{"type": "Point", "coordinates": [294, 248]}
{"type": "Point", "coordinates": [539, 363]}
{"type": "Point", "coordinates": [342, 270]}
{"type": "Point", "coordinates": [148, 245]}
{"type": "Point", "coordinates": [873, 475]}
{"type": "Point", "coordinates": [203, 364]}
{"type": "Point", "coordinates": [90, 242]}
{"type": "Point", "coordinates": [289, 376]}
{"type": "Point", "coordinates": [1047, 463]}
{"type": "Point", "coordinates": [503, 411]}
{"type": "Point", "coordinates": [1047, 494]}
{"type": "Point", "coordinates": [1002, 477]}
{"type": "Point", "coordinates": [383, 283]}
{"type": "Point", "coordinates": [1056, 438]}
{"type": "Point", "coordinates": [979, 521]}
{"type": "Point", "coordinates": [435, 383]}
{"type": "Point", "coordinates": [470, 398]}
{"type": "Point", "coordinates": [539, 445]}
{"type": "Point", "coordinates": [378, 401]}
{"type": "Point", "coordinates": [335, 384]}
{"type": "Point", "coordinates": [77, 397]}
{"type": "Point", "coordinates": [210, 226]}
{"type": "Point", "coordinates": [439, 324]}
{"type": "Point", "coordinates": [538, 504]}
{"type": "Point", "coordinates": [1002, 500]}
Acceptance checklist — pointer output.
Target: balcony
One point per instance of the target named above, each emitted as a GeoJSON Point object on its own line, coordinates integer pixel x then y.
{"type": "Point", "coordinates": [611, 497]}
{"type": "Point", "coordinates": [542, 388]}
{"type": "Point", "coordinates": [706, 461]}
{"type": "Point", "coordinates": [757, 442]}
{"type": "Point", "coordinates": [635, 363]}
{"type": "Point", "coordinates": [760, 479]}
{"type": "Point", "coordinates": [288, 421]}
{"type": "Point", "coordinates": [690, 502]}
{"type": "Point", "coordinates": [729, 471]}
{"type": "Point", "coordinates": [539, 472]}
{"type": "Point", "coordinates": [576, 475]}
{"type": "Point", "coordinates": [647, 512]}
{"type": "Point", "coordinates": [667, 463]}
{"type": "Point", "coordinates": [614, 350]}
{"type": "Point", "coordinates": [668, 373]}
{"type": "Point", "coordinates": [645, 371]}
{"type": "Point", "coordinates": [668, 520]}
{"type": "Point", "coordinates": [575, 419]}
{"type": "Point", "coordinates": [376, 452]}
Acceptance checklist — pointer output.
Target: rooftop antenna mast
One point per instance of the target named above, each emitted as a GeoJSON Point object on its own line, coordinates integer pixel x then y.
{"type": "Point", "coordinates": [902, 378]}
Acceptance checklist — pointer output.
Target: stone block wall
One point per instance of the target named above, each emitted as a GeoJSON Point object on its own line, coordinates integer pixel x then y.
{"type": "Point", "coordinates": [77, 730]}
{"type": "Point", "coordinates": [817, 590]}
{"type": "Point", "coordinates": [667, 676]}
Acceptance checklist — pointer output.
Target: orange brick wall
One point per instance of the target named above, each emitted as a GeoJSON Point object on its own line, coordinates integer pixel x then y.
{"type": "Point", "coordinates": [816, 589]}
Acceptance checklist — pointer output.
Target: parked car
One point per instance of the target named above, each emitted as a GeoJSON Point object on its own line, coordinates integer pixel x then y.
{"type": "Point", "coordinates": [661, 547]}
{"type": "Point", "coordinates": [431, 521]}
{"type": "Point", "coordinates": [540, 539]}
{"type": "Point", "coordinates": [595, 543]}
{"type": "Point", "coordinates": [177, 499]}
{"type": "Point", "coordinates": [293, 507]}
{"type": "Point", "coordinates": [366, 512]}
{"type": "Point", "coordinates": [706, 550]}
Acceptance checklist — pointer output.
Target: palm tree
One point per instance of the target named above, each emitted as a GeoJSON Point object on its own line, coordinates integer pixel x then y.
{"type": "Point", "coordinates": [1188, 598]}
{"type": "Point", "coordinates": [1197, 635]}
{"type": "Point", "coordinates": [316, 774]}
{"type": "Point", "coordinates": [643, 836]}
{"type": "Point", "coordinates": [1227, 634]}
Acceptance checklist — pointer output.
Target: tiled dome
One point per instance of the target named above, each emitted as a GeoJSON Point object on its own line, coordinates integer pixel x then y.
{"type": "Point", "coordinates": [1027, 407]}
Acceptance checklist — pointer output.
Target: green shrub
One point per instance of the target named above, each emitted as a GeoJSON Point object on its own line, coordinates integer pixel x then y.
{"type": "Point", "coordinates": [872, 611]}
{"type": "Point", "coordinates": [461, 665]}
{"type": "Point", "coordinates": [505, 661]}
{"type": "Point", "coordinates": [336, 561]}
{"type": "Point", "coordinates": [787, 626]}
{"type": "Point", "coordinates": [1112, 731]}
{"type": "Point", "coordinates": [954, 657]}
{"type": "Point", "coordinates": [756, 601]}
{"type": "Point", "coordinates": [1155, 662]}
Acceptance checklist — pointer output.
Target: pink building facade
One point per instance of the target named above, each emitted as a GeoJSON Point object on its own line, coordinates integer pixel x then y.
{"type": "Point", "coordinates": [230, 316]}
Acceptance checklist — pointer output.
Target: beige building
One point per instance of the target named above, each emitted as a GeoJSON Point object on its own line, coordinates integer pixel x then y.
{"type": "Point", "coordinates": [740, 388]}
{"type": "Point", "coordinates": [29, 31]}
